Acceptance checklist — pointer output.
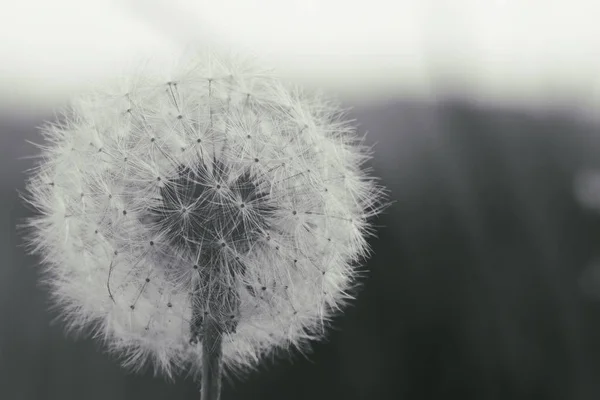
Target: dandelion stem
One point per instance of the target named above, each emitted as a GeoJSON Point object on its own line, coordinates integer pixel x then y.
{"type": "Point", "coordinates": [212, 360]}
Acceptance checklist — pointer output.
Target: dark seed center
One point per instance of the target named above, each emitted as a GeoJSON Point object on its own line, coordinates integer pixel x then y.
{"type": "Point", "coordinates": [200, 209]}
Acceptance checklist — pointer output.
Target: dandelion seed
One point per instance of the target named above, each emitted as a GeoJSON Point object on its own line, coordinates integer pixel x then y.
{"type": "Point", "coordinates": [228, 212]}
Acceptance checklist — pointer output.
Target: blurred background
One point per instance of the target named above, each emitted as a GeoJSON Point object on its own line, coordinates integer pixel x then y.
{"type": "Point", "coordinates": [485, 277]}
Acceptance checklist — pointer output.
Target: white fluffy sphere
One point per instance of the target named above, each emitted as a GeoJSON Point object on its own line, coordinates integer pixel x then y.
{"type": "Point", "coordinates": [216, 192]}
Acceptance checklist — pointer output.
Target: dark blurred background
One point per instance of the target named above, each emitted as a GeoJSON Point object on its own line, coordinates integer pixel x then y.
{"type": "Point", "coordinates": [479, 286]}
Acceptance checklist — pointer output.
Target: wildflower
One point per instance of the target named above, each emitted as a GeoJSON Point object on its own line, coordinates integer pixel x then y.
{"type": "Point", "coordinates": [215, 205]}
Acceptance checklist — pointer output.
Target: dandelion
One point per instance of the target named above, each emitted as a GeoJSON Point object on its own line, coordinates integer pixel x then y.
{"type": "Point", "coordinates": [201, 220]}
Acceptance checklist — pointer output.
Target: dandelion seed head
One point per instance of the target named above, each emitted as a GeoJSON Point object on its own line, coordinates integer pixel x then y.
{"type": "Point", "coordinates": [214, 192]}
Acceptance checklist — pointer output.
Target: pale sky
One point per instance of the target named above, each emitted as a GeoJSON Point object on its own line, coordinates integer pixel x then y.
{"type": "Point", "coordinates": [519, 50]}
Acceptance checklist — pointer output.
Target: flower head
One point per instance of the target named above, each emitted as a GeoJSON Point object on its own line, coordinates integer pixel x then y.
{"type": "Point", "coordinates": [214, 194]}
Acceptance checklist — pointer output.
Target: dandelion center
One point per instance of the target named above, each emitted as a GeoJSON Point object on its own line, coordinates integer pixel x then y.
{"type": "Point", "coordinates": [208, 208]}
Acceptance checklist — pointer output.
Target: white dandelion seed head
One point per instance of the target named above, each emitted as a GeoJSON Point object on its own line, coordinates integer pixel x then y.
{"type": "Point", "coordinates": [213, 192]}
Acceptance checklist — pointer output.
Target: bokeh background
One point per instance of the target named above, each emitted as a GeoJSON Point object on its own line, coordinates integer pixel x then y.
{"type": "Point", "coordinates": [485, 277]}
